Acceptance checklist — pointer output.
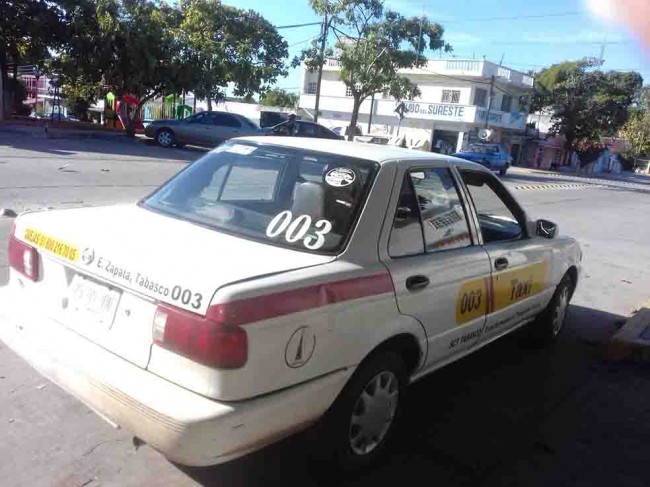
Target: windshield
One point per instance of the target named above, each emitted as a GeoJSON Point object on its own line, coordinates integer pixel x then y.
{"type": "Point", "coordinates": [289, 197]}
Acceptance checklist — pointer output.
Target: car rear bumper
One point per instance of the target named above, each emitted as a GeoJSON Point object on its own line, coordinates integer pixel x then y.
{"type": "Point", "coordinates": [186, 427]}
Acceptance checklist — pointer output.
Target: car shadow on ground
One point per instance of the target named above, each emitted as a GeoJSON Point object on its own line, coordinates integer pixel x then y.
{"type": "Point", "coordinates": [116, 145]}
{"type": "Point", "coordinates": [479, 421]}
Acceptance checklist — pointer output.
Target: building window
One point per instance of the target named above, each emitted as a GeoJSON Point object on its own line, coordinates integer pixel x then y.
{"type": "Point", "coordinates": [450, 96]}
{"type": "Point", "coordinates": [480, 97]}
{"type": "Point", "coordinates": [311, 88]}
{"type": "Point", "coordinates": [506, 103]}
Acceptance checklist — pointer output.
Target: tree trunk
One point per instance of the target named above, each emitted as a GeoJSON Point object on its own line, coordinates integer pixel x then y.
{"type": "Point", "coordinates": [209, 103]}
{"type": "Point", "coordinates": [355, 116]}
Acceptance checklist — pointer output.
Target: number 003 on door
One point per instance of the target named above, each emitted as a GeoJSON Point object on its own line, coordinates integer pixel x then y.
{"type": "Point", "coordinates": [472, 300]}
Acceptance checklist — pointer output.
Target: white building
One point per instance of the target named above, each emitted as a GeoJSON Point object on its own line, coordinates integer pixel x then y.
{"type": "Point", "coordinates": [452, 107]}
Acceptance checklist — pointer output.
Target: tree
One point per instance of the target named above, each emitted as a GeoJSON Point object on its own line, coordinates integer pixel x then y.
{"type": "Point", "coordinates": [636, 131]}
{"type": "Point", "coordinates": [27, 29]}
{"type": "Point", "coordinates": [373, 44]}
{"type": "Point", "coordinates": [227, 45]}
{"type": "Point", "coordinates": [279, 98]}
{"type": "Point", "coordinates": [586, 104]}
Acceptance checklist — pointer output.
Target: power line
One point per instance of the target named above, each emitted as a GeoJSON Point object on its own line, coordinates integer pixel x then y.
{"type": "Point", "coordinates": [515, 17]}
{"type": "Point", "coordinates": [503, 43]}
{"type": "Point", "coordinates": [297, 25]}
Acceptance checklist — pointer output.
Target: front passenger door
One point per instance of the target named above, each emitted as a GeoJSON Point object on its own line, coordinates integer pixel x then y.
{"type": "Point", "coordinates": [439, 273]}
{"type": "Point", "coordinates": [520, 286]}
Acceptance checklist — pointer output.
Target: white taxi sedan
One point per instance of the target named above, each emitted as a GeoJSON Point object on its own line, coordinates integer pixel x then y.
{"type": "Point", "coordinates": [277, 282]}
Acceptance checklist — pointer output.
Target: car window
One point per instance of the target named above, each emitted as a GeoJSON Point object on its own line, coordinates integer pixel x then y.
{"type": "Point", "coordinates": [325, 133]}
{"type": "Point", "coordinates": [443, 217]}
{"type": "Point", "coordinates": [406, 236]}
{"type": "Point", "coordinates": [430, 216]}
{"type": "Point", "coordinates": [223, 120]}
{"type": "Point", "coordinates": [289, 197]}
{"type": "Point", "coordinates": [307, 129]}
{"type": "Point", "coordinates": [499, 216]}
{"type": "Point", "coordinates": [198, 118]}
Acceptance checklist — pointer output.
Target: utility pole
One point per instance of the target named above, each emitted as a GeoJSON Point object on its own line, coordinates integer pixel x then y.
{"type": "Point", "coordinates": [489, 107]}
{"type": "Point", "coordinates": [372, 105]}
{"type": "Point", "coordinates": [321, 57]}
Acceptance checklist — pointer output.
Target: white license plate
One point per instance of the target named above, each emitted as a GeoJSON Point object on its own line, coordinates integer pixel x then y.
{"type": "Point", "coordinates": [90, 301]}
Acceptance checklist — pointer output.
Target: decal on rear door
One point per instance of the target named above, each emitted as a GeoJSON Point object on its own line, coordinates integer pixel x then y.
{"type": "Point", "coordinates": [53, 245]}
{"type": "Point", "coordinates": [472, 300]}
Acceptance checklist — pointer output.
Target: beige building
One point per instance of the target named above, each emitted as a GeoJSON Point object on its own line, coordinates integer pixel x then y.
{"type": "Point", "coordinates": [452, 107]}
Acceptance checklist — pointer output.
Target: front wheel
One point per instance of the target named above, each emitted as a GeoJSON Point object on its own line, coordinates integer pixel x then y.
{"type": "Point", "coordinates": [550, 322]}
{"type": "Point", "coordinates": [165, 138]}
{"type": "Point", "coordinates": [360, 423]}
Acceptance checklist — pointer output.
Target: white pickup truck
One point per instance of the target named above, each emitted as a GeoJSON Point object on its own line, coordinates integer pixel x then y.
{"type": "Point", "coordinates": [275, 283]}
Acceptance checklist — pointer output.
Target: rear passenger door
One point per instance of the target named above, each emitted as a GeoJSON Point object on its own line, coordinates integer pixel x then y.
{"type": "Point", "coordinates": [439, 272]}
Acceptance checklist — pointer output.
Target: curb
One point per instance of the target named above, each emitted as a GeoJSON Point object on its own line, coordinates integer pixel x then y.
{"type": "Point", "coordinates": [526, 187]}
{"type": "Point", "coordinates": [632, 341]}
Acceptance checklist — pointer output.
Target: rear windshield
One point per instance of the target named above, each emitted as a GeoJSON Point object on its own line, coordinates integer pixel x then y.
{"type": "Point", "coordinates": [294, 198]}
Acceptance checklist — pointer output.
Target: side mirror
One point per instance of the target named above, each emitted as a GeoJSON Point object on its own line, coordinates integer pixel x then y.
{"type": "Point", "coordinates": [546, 229]}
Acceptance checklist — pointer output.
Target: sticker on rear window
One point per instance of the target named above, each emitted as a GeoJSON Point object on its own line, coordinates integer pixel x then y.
{"type": "Point", "coordinates": [294, 230]}
{"type": "Point", "coordinates": [240, 149]}
{"type": "Point", "coordinates": [340, 177]}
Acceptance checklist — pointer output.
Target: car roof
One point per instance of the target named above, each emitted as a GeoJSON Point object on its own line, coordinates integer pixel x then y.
{"type": "Point", "coordinates": [373, 152]}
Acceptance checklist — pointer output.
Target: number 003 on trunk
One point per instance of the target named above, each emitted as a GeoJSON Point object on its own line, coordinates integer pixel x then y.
{"type": "Point", "coordinates": [472, 300]}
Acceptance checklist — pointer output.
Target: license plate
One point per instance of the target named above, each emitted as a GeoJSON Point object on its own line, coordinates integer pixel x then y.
{"type": "Point", "coordinates": [92, 302]}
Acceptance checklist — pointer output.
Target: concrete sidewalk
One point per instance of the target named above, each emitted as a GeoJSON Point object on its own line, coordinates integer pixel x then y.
{"type": "Point", "coordinates": [632, 341]}
{"type": "Point", "coordinates": [48, 132]}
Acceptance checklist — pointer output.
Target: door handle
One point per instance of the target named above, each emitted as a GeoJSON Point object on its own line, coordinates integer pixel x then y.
{"type": "Point", "coordinates": [414, 283]}
{"type": "Point", "coordinates": [500, 263]}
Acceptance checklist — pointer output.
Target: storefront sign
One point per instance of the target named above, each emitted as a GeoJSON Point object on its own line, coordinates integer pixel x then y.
{"type": "Point", "coordinates": [494, 117]}
{"type": "Point", "coordinates": [432, 109]}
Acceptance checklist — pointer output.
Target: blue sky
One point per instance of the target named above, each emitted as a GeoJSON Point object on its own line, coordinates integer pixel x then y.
{"type": "Point", "coordinates": [571, 32]}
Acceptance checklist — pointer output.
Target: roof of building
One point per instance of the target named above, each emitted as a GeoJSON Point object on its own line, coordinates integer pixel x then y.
{"type": "Point", "coordinates": [373, 152]}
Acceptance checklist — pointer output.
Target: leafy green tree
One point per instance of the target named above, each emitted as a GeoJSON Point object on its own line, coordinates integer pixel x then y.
{"type": "Point", "coordinates": [373, 44]}
{"type": "Point", "coordinates": [229, 46]}
{"type": "Point", "coordinates": [636, 130]}
{"type": "Point", "coordinates": [27, 29]}
{"type": "Point", "coordinates": [279, 98]}
{"type": "Point", "coordinates": [587, 104]}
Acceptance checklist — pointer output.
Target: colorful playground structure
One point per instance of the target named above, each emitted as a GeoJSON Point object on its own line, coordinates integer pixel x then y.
{"type": "Point", "coordinates": [117, 109]}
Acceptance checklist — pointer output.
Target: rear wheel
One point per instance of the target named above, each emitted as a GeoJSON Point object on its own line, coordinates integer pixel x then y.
{"type": "Point", "coordinates": [360, 423]}
{"type": "Point", "coordinates": [165, 138]}
{"type": "Point", "coordinates": [503, 170]}
{"type": "Point", "coordinates": [550, 322]}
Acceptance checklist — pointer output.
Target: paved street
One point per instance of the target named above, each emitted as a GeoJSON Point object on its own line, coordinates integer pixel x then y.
{"type": "Point", "coordinates": [507, 416]}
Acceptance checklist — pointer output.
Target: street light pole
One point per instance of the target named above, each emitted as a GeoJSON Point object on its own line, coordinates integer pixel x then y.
{"type": "Point", "coordinates": [321, 54]}
{"type": "Point", "coordinates": [37, 74]}
{"type": "Point", "coordinates": [489, 107]}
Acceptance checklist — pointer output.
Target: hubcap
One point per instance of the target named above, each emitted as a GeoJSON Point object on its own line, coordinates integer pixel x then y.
{"type": "Point", "coordinates": [164, 138]}
{"type": "Point", "coordinates": [374, 412]}
{"type": "Point", "coordinates": [559, 313]}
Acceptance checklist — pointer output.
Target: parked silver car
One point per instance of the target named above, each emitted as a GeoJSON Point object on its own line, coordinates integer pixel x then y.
{"type": "Point", "coordinates": [203, 128]}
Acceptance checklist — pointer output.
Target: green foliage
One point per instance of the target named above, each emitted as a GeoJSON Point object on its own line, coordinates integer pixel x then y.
{"type": "Point", "coordinates": [636, 130]}
{"type": "Point", "coordinates": [226, 45]}
{"type": "Point", "coordinates": [373, 44]}
{"type": "Point", "coordinates": [587, 104]}
{"type": "Point", "coordinates": [279, 98]}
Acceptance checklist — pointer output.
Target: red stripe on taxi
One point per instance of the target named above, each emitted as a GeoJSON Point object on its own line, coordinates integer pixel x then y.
{"type": "Point", "coordinates": [286, 302]}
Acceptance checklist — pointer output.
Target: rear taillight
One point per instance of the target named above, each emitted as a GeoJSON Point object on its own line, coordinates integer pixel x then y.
{"type": "Point", "coordinates": [23, 257]}
{"type": "Point", "coordinates": [208, 340]}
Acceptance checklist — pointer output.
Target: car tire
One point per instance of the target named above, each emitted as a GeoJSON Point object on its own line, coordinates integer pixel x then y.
{"type": "Point", "coordinates": [359, 425]}
{"type": "Point", "coordinates": [549, 324]}
{"type": "Point", "coordinates": [503, 170]}
{"type": "Point", "coordinates": [165, 138]}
